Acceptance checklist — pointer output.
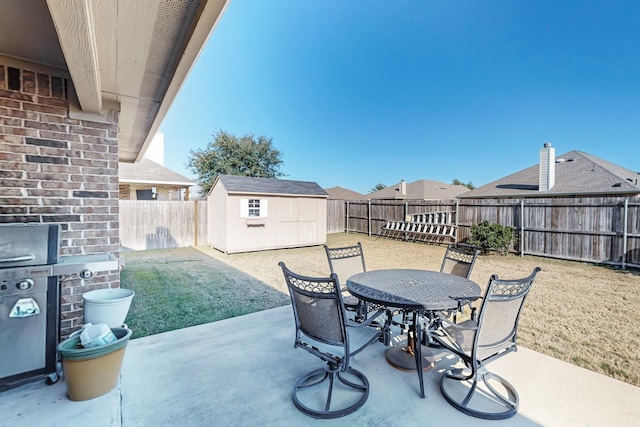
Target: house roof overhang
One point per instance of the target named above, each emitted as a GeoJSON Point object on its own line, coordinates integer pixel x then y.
{"type": "Point", "coordinates": [130, 56]}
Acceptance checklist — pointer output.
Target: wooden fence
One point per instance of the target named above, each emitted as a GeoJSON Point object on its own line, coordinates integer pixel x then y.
{"type": "Point", "coordinates": [598, 229]}
{"type": "Point", "coordinates": [162, 224]}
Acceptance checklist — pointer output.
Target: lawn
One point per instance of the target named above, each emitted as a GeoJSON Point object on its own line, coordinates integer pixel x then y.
{"type": "Point", "coordinates": [178, 288]}
{"type": "Point", "coordinates": [577, 312]}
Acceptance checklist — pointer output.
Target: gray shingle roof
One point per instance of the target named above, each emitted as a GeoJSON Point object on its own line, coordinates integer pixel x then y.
{"type": "Point", "coordinates": [339, 193]}
{"type": "Point", "coordinates": [248, 184]}
{"type": "Point", "coordinates": [577, 173]}
{"type": "Point", "coordinates": [149, 172]}
{"type": "Point", "coordinates": [421, 189]}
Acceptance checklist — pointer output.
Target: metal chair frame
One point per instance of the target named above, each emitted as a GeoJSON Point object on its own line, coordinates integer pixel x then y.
{"type": "Point", "coordinates": [344, 255]}
{"type": "Point", "coordinates": [459, 259]}
{"type": "Point", "coordinates": [474, 390]}
{"type": "Point", "coordinates": [331, 340]}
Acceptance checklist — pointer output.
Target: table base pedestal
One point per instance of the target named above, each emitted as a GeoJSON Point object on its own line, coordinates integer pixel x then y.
{"type": "Point", "coordinates": [401, 359]}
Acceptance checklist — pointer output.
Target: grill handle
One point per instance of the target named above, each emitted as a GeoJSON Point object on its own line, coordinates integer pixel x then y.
{"type": "Point", "coordinates": [19, 258]}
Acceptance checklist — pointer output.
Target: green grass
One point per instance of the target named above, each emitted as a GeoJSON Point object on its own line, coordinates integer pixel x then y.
{"type": "Point", "coordinates": [178, 288]}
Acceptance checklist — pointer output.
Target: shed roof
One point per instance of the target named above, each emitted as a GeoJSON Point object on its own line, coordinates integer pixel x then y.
{"type": "Point", "coordinates": [149, 172]}
{"type": "Point", "coordinates": [577, 174]}
{"type": "Point", "coordinates": [252, 185]}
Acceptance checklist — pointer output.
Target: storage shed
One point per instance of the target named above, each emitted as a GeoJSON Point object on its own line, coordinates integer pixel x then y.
{"type": "Point", "coordinates": [252, 214]}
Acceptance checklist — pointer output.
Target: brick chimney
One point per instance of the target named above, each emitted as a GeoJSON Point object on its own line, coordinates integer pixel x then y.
{"type": "Point", "coordinates": [547, 173]}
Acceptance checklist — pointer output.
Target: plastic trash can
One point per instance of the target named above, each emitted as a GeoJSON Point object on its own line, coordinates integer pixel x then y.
{"type": "Point", "coordinates": [108, 306]}
{"type": "Point", "coordinates": [92, 372]}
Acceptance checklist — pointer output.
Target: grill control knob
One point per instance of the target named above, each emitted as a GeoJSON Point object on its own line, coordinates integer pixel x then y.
{"type": "Point", "coordinates": [86, 274]}
{"type": "Point", "coordinates": [24, 284]}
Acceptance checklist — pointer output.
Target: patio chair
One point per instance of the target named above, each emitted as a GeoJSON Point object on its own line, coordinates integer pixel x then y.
{"type": "Point", "coordinates": [474, 390]}
{"type": "Point", "coordinates": [323, 330]}
{"type": "Point", "coordinates": [459, 259]}
{"type": "Point", "coordinates": [345, 262]}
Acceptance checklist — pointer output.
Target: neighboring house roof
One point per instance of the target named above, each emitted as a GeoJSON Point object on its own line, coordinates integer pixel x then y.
{"type": "Point", "coordinates": [251, 185]}
{"type": "Point", "coordinates": [420, 190]}
{"type": "Point", "coordinates": [339, 193]}
{"type": "Point", "coordinates": [576, 173]}
{"type": "Point", "coordinates": [149, 172]}
{"type": "Point", "coordinates": [122, 55]}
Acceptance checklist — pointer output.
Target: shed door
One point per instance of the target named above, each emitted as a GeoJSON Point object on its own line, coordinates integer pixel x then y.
{"type": "Point", "coordinates": [287, 227]}
{"type": "Point", "coordinates": [307, 221]}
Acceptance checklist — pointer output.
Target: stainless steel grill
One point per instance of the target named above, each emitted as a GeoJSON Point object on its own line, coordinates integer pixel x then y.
{"type": "Point", "coordinates": [30, 272]}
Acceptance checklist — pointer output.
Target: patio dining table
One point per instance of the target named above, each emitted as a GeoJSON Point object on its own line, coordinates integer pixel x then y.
{"type": "Point", "coordinates": [420, 292]}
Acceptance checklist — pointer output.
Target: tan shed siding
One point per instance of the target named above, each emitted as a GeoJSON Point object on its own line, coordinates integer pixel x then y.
{"type": "Point", "coordinates": [217, 218]}
{"type": "Point", "coordinates": [290, 222]}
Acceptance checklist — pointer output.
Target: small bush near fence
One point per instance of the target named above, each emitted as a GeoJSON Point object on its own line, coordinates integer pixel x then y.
{"type": "Point", "coordinates": [492, 236]}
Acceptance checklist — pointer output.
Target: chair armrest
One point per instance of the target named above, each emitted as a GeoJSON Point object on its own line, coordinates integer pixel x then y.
{"type": "Point", "coordinates": [370, 319]}
{"type": "Point", "coordinates": [465, 300]}
{"type": "Point", "coordinates": [446, 323]}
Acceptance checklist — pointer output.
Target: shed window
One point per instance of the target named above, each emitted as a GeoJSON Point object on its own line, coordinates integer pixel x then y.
{"type": "Point", "coordinates": [253, 208]}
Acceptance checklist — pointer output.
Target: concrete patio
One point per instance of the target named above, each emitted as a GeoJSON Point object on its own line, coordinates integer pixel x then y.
{"type": "Point", "coordinates": [241, 371]}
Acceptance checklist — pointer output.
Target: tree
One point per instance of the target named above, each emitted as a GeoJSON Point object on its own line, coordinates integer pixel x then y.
{"type": "Point", "coordinates": [377, 187]}
{"type": "Point", "coordinates": [230, 155]}
{"type": "Point", "coordinates": [469, 185]}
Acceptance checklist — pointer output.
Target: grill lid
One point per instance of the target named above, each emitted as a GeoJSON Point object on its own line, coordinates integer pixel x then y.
{"type": "Point", "coordinates": [28, 244]}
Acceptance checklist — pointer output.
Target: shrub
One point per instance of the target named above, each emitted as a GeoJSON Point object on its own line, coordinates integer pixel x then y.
{"type": "Point", "coordinates": [492, 236]}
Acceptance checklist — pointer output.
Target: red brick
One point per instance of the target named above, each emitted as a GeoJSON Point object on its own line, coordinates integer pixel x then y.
{"type": "Point", "coordinates": [48, 118]}
{"type": "Point", "coordinates": [11, 157]}
{"type": "Point", "coordinates": [16, 95]}
{"type": "Point", "coordinates": [28, 81]}
{"type": "Point", "coordinates": [44, 108]}
{"type": "Point", "coordinates": [87, 226]}
{"type": "Point", "coordinates": [61, 136]}
{"type": "Point", "coordinates": [12, 112]}
{"type": "Point", "coordinates": [45, 126]}
{"type": "Point", "coordinates": [11, 139]}
{"type": "Point", "coordinates": [9, 103]}
{"type": "Point", "coordinates": [47, 167]}
{"type": "Point", "coordinates": [52, 102]}
{"type": "Point", "coordinates": [94, 143]}
{"type": "Point", "coordinates": [59, 210]}
{"type": "Point", "coordinates": [79, 130]}
{"type": "Point", "coordinates": [43, 176]}
{"type": "Point", "coordinates": [36, 108]}
{"type": "Point", "coordinates": [18, 131]}
{"type": "Point", "coordinates": [22, 149]}
{"type": "Point", "coordinates": [37, 192]}
{"type": "Point", "coordinates": [8, 121]}
{"type": "Point", "coordinates": [44, 85]}
{"type": "Point", "coordinates": [61, 202]}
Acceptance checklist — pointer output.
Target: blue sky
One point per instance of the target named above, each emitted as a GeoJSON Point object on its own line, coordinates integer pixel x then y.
{"type": "Point", "coordinates": [360, 92]}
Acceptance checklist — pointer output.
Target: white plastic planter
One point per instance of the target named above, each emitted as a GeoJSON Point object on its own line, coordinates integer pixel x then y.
{"type": "Point", "coordinates": [108, 306]}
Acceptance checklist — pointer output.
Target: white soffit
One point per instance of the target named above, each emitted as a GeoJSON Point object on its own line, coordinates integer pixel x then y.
{"type": "Point", "coordinates": [132, 55]}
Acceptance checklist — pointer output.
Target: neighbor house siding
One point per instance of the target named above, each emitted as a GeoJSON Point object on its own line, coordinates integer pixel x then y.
{"type": "Point", "coordinates": [54, 169]}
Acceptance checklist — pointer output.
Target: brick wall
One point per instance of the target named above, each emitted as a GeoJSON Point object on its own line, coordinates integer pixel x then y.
{"type": "Point", "coordinates": [54, 169]}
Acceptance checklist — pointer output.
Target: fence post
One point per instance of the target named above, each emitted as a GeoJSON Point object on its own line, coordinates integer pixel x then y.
{"type": "Point", "coordinates": [521, 227]}
{"type": "Point", "coordinates": [455, 240]}
{"type": "Point", "coordinates": [346, 225]}
{"type": "Point", "coordinates": [624, 234]}
{"type": "Point", "coordinates": [369, 216]}
{"type": "Point", "coordinates": [196, 220]}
